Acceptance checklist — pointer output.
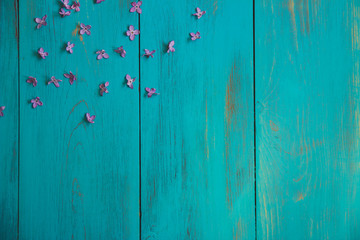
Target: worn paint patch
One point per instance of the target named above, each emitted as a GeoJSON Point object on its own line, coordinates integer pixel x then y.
{"type": "Point", "coordinates": [231, 109]}
{"type": "Point", "coordinates": [355, 35]}
{"type": "Point", "coordinates": [215, 7]}
{"type": "Point", "coordinates": [299, 197]}
{"type": "Point", "coordinates": [75, 31]}
{"type": "Point", "coordinates": [273, 126]}
{"type": "Point", "coordinates": [293, 22]}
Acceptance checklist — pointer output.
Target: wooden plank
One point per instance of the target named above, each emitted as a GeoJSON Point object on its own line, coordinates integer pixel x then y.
{"type": "Point", "coordinates": [9, 122]}
{"type": "Point", "coordinates": [197, 136]}
{"type": "Point", "coordinates": [79, 180]}
{"type": "Point", "coordinates": [307, 92]}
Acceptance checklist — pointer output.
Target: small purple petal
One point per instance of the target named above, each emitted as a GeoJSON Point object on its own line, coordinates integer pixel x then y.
{"type": "Point", "coordinates": [76, 6]}
{"type": "Point", "coordinates": [71, 77]}
{"type": "Point", "coordinates": [89, 118]}
{"type": "Point", "coordinates": [2, 108]}
{"type": "Point", "coordinates": [69, 47]}
{"type": "Point", "coordinates": [121, 50]}
{"type": "Point", "coordinates": [32, 81]}
{"type": "Point", "coordinates": [36, 102]}
{"type": "Point", "coordinates": [136, 7]}
{"type": "Point", "coordinates": [64, 13]}
{"type": "Point", "coordinates": [85, 29]}
{"type": "Point", "coordinates": [55, 81]}
{"type": "Point", "coordinates": [130, 81]}
{"type": "Point", "coordinates": [41, 21]}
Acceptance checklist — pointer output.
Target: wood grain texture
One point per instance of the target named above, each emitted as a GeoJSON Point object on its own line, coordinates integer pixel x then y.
{"type": "Point", "coordinates": [9, 122]}
{"type": "Point", "coordinates": [78, 180]}
{"type": "Point", "coordinates": [197, 136]}
{"type": "Point", "coordinates": [307, 111]}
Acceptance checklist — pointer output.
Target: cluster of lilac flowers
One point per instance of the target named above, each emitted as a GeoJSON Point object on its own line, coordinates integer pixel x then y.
{"type": "Point", "coordinates": [101, 54]}
{"type": "Point", "coordinates": [66, 6]}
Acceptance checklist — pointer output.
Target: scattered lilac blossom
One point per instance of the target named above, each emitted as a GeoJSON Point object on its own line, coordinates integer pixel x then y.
{"type": "Point", "coordinates": [121, 50]}
{"type": "Point", "coordinates": [132, 32]}
{"type": "Point", "coordinates": [55, 81]}
{"type": "Point", "coordinates": [41, 21]}
{"type": "Point", "coordinates": [85, 29]}
{"type": "Point", "coordinates": [69, 47]}
{"type": "Point", "coordinates": [32, 81]}
{"type": "Point", "coordinates": [102, 54]}
{"type": "Point", "coordinates": [76, 6]}
{"type": "Point", "coordinates": [42, 53]}
{"type": "Point", "coordinates": [195, 36]}
{"type": "Point", "coordinates": [66, 4]}
{"type": "Point", "coordinates": [136, 7]}
{"type": "Point", "coordinates": [99, 1]}
{"type": "Point", "coordinates": [71, 77]}
{"type": "Point", "coordinates": [103, 88]}
{"type": "Point", "coordinates": [171, 47]}
{"type": "Point", "coordinates": [36, 102]}
{"type": "Point", "coordinates": [130, 81]}
{"type": "Point", "coordinates": [148, 53]}
{"type": "Point", "coordinates": [151, 91]}
{"type": "Point", "coordinates": [89, 118]}
{"type": "Point", "coordinates": [2, 108]}
{"type": "Point", "coordinates": [64, 13]}
{"type": "Point", "coordinates": [199, 13]}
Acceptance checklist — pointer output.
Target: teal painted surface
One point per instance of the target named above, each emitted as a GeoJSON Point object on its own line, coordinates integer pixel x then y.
{"type": "Point", "coordinates": [197, 136]}
{"type": "Point", "coordinates": [78, 181]}
{"type": "Point", "coordinates": [180, 165]}
{"type": "Point", "coordinates": [9, 123]}
{"type": "Point", "coordinates": [307, 112]}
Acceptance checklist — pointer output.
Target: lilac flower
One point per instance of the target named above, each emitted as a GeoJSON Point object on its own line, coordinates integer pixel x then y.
{"type": "Point", "coordinates": [130, 81]}
{"type": "Point", "coordinates": [195, 36]}
{"type": "Point", "coordinates": [171, 47]}
{"type": "Point", "coordinates": [151, 91]}
{"type": "Point", "coordinates": [32, 81]}
{"type": "Point", "coordinates": [85, 29]}
{"type": "Point", "coordinates": [99, 1]}
{"type": "Point", "coordinates": [69, 47]}
{"type": "Point", "coordinates": [42, 53]}
{"type": "Point", "coordinates": [71, 77]}
{"type": "Point", "coordinates": [132, 32]}
{"type": "Point", "coordinates": [41, 21]}
{"type": "Point", "coordinates": [136, 7]}
{"type": "Point", "coordinates": [199, 13]}
{"type": "Point", "coordinates": [102, 54]}
{"type": "Point", "coordinates": [89, 118]}
{"type": "Point", "coordinates": [66, 4]}
{"type": "Point", "coordinates": [2, 108]}
{"type": "Point", "coordinates": [121, 50]}
{"type": "Point", "coordinates": [36, 102]}
{"type": "Point", "coordinates": [55, 81]}
{"type": "Point", "coordinates": [76, 6]}
{"type": "Point", "coordinates": [103, 88]}
{"type": "Point", "coordinates": [148, 53]}
{"type": "Point", "coordinates": [63, 12]}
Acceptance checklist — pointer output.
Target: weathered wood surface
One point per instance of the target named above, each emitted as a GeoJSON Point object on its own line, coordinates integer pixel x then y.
{"type": "Point", "coordinates": [9, 122]}
{"type": "Point", "coordinates": [194, 143]}
{"type": "Point", "coordinates": [197, 177]}
{"type": "Point", "coordinates": [78, 180]}
{"type": "Point", "coordinates": [307, 115]}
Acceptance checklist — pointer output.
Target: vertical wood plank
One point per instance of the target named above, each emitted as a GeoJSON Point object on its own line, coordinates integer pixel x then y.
{"type": "Point", "coordinates": [9, 122]}
{"type": "Point", "coordinates": [307, 94]}
{"type": "Point", "coordinates": [197, 136]}
{"type": "Point", "coordinates": [79, 180]}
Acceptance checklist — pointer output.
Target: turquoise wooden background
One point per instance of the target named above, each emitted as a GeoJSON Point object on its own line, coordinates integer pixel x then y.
{"type": "Point", "coordinates": [255, 133]}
